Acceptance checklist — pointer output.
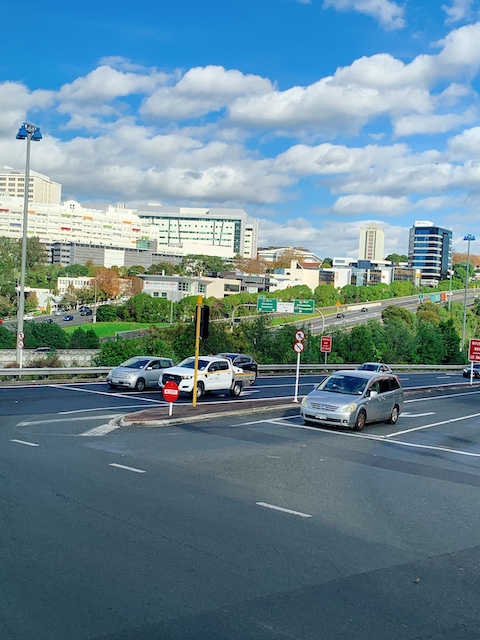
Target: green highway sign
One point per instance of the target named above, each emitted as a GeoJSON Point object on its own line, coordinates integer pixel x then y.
{"type": "Point", "coordinates": [268, 305]}
{"type": "Point", "coordinates": [304, 306]}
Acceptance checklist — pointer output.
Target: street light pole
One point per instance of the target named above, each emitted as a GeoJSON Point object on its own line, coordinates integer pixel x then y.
{"type": "Point", "coordinates": [26, 132]}
{"type": "Point", "coordinates": [450, 292]}
{"type": "Point", "coordinates": [469, 237]}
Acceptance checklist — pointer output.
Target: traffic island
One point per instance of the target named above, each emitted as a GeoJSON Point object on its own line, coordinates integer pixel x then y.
{"type": "Point", "coordinates": [159, 416]}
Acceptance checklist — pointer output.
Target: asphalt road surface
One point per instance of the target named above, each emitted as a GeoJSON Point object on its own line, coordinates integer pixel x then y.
{"type": "Point", "coordinates": [248, 527]}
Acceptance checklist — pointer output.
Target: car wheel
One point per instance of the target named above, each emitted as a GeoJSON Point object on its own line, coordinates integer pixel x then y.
{"type": "Point", "coordinates": [393, 416]}
{"type": "Point", "coordinates": [236, 389]}
{"type": "Point", "coordinates": [140, 385]}
{"type": "Point", "coordinates": [360, 422]}
{"type": "Point", "coordinates": [112, 386]}
{"type": "Point", "coordinates": [200, 390]}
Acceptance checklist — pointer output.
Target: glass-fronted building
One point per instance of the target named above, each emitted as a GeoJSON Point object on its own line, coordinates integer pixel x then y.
{"type": "Point", "coordinates": [430, 251]}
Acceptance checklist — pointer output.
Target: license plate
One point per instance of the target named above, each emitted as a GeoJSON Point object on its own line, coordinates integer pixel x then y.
{"type": "Point", "coordinates": [320, 416]}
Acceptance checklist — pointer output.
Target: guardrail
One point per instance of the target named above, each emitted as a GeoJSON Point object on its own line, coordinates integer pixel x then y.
{"type": "Point", "coordinates": [47, 372]}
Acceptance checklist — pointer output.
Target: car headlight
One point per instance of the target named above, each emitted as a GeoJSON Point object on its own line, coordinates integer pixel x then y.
{"type": "Point", "coordinates": [304, 402]}
{"type": "Point", "coordinates": [130, 376]}
{"type": "Point", "coordinates": [349, 408]}
{"type": "Point", "coordinates": [188, 377]}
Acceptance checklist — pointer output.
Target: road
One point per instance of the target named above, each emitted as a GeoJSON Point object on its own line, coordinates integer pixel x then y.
{"type": "Point", "coordinates": [241, 528]}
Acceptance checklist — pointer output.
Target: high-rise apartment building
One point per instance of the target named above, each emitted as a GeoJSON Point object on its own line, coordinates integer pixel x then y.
{"type": "Point", "coordinates": [372, 243]}
{"type": "Point", "coordinates": [430, 251]}
{"type": "Point", "coordinates": [41, 189]}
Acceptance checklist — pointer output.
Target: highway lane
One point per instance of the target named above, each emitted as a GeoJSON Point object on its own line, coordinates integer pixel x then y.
{"type": "Point", "coordinates": [245, 528]}
{"type": "Point", "coordinates": [70, 398]}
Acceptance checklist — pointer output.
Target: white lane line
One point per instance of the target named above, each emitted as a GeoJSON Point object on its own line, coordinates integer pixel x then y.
{"type": "Point", "coordinates": [101, 430]}
{"type": "Point", "coordinates": [29, 444]}
{"type": "Point", "coordinates": [275, 508]}
{"type": "Point", "coordinates": [63, 420]}
{"type": "Point", "coordinates": [434, 424]}
{"type": "Point", "coordinates": [92, 410]}
{"type": "Point", "coordinates": [407, 414]}
{"type": "Point", "coordinates": [414, 445]}
{"type": "Point", "coordinates": [450, 395]}
{"type": "Point", "coordinates": [103, 393]}
{"type": "Point", "coordinates": [122, 466]}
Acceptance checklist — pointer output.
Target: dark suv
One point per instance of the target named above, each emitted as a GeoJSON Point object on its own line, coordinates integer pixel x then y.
{"type": "Point", "coordinates": [247, 363]}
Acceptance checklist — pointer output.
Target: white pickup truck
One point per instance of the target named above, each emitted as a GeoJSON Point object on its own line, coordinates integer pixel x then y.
{"type": "Point", "coordinates": [214, 374]}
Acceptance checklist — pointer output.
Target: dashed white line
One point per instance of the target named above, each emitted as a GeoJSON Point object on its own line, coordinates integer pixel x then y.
{"type": "Point", "coordinates": [28, 444]}
{"type": "Point", "coordinates": [283, 509]}
{"type": "Point", "coordinates": [63, 420]}
{"type": "Point", "coordinates": [125, 468]}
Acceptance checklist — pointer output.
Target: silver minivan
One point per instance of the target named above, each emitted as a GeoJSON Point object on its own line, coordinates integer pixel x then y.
{"type": "Point", "coordinates": [353, 399]}
{"type": "Point", "coordinates": [139, 372]}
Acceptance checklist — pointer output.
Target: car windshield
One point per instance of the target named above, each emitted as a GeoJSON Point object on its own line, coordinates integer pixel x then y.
{"type": "Point", "coordinates": [368, 367]}
{"type": "Point", "coordinates": [189, 363]}
{"type": "Point", "coordinates": [343, 384]}
{"type": "Point", "coordinates": [135, 363]}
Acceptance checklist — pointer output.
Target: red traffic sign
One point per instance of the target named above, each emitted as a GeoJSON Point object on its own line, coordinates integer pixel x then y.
{"type": "Point", "coordinates": [474, 350]}
{"type": "Point", "coordinates": [170, 391]}
{"type": "Point", "coordinates": [299, 335]}
{"type": "Point", "coordinates": [326, 344]}
{"type": "Point", "coordinates": [298, 347]}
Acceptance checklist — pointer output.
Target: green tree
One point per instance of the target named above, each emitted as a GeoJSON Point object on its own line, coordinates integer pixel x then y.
{"type": "Point", "coordinates": [325, 295]}
{"type": "Point", "coordinates": [451, 340]}
{"type": "Point", "coordinates": [43, 334]}
{"type": "Point", "coordinates": [431, 348]}
{"type": "Point", "coordinates": [84, 339]}
{"type": "Point", "coordinates": [107, 313]}
{"type": "Point", "coordinates": [396, 258]}
{"type": "Point", "coordinates": [114, 352]}
{"type": "Point", "coordinates": [393, 313]}
{"type": "Point", "coordinates": [7, 338]}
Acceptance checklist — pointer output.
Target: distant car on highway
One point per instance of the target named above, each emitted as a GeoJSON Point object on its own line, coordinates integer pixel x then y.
{"type": "Point", "coordinates": [68, 317]}
{"type": "Point", "coordinates": [139, 372]}
{"type": "Point", "coordinates": [476, 371]}
{"type": "Point", "coordinates": [86, 312]}
{"type": "Point", "coordinates": [374, 366]}
{"type": "Point", "coordinates": [48, 320]}
{"type": "Point", "coordinates": [340, 315]}
{"type": "Point", "coordinates": [354, 398]}
{"type": "Point", "coordinates": [247, 363]}
{"type": "Point", "coordinates": [364, 309]}
{"type": "Point", "coordinates": [43, 350]}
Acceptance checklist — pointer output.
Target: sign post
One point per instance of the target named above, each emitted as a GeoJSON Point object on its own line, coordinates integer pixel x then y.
{"type": "Point", "coordinates": [473, 354]}
{"type": "Point", "coordinates": [298, 347]}
{"type": "Point", "coordinates": [170, 393]}
{"type": "Point", "coordinates": [326, 345]}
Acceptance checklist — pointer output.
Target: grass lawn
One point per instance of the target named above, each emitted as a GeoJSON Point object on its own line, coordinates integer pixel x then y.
{"type": "Point", "coordinates": [109, 329]}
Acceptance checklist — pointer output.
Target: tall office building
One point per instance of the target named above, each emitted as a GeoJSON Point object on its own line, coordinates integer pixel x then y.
{"type": "Point", "coordinates": [372, 243]}
{"type": "Point", "coordinates": [41, 189]}
{"type": "Point", "coordinates": [430, 251]}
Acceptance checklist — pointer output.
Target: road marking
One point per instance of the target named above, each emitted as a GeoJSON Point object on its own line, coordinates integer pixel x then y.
{"type": "Point", "coordinates": [434, 424]}
{"type": "Point", "coordinates": [414, 445]}
{"type": "Point", "coordinates": [103, 393]}
{"type": "Point", "coordinates": [122, 466]}
{"type": "Point", "coordinates": [275, 508]}
{"type": "Point", "coordinates": [120, 406]}
{"type": "Point", "coordinates": [101, 430]}
{"type": "Point", "coordinates": [407, 414]}
{"type": "Point", "coordinates": [29, 444]}
{"type": "Point", "coordinates": [62, 420]}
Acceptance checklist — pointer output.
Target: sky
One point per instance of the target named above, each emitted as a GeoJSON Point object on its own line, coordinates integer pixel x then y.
{"type": "Point", "coordinates": [315, 116]}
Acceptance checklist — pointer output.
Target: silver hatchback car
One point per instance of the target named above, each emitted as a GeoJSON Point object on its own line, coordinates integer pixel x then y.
{"type": "Point", "coordinates": [354, 398]}
{"type": "Point", "coordinates": [139, 372]}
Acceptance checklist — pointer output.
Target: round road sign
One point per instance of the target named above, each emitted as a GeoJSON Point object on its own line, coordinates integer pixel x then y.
{"type": "Point", "coordinates": [170, 391]}
{"type": "Point", "coordinates": [298, 347]}
{"type": "Point", "coordinates": [299, 335]}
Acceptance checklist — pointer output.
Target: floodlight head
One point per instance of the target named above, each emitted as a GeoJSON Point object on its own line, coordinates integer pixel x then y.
{"type": "Point", "coordinates": [469, 237]}
{"type": "Point", "coordinates": [36, 135]}
{"type": "Point", "coordinates": [22, 132]}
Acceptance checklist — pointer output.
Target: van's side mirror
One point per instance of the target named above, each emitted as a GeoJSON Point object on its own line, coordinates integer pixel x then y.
{"type": "Point", "coordinates": [373, 393]}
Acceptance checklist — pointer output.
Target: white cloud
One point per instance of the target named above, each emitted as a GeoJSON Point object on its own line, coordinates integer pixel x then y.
{"type": "Point", "coordinates": [364, 203]}
{"type": "Point", "coordinates": [431, 124]}
{"type": "Point", "coordinates": [16, 101]}
{"type": "Point", "coordinates": [389, 14]}
{"type": "Point", "coordinates": [203, 90]}
{"type": "Point", "coordinates": [458, 10]}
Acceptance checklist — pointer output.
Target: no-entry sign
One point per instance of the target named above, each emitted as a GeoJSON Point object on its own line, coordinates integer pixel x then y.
{"type": "Point", "coordinates": [326, 344]}
{"type": "Point", "coordinates": [170, 391]}
{"type": "Point", "coordinates": [474, 350]}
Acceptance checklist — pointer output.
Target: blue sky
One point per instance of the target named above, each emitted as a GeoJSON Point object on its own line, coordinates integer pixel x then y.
{"type": "Point", "coordinates": [315, 116]}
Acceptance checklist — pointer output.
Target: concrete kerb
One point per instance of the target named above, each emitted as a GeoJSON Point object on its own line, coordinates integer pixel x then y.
{"type": "Point", "coordinates": [131, 421]}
